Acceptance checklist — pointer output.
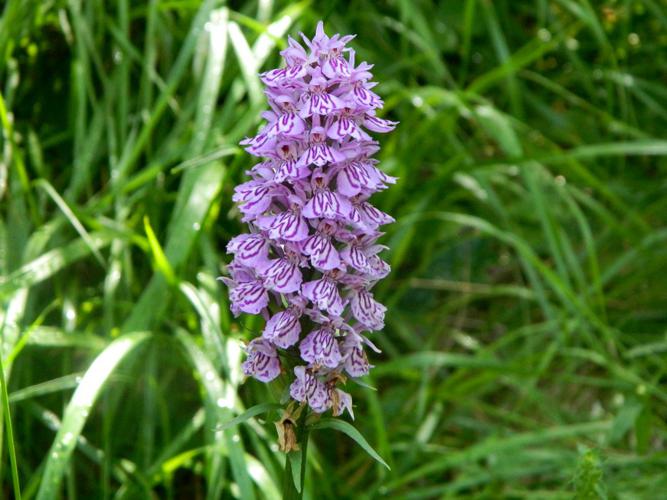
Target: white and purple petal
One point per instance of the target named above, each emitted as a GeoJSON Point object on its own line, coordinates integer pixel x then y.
{"type": "Point", "coordinates": [307, 388]}
{"type": "Point", "coordinates": [281, 275]}
{"type": "Point", "coordinates": [253, 197]}
{"type": "Point", "coordinates": [288, 125]}
{"type": "Point", "coordinates": [356, 363]}
{"type": "Point", "coordinates": [284, 328]}
{"type": "Point", "coordinates": [377, 268]}
{"type": "Point", "coordinates": [373, 217]}
{"type": "Point", "coordinates": [250, 249]}
{"type": "Point", "coordinates": [344, 127]}
{"type": "Point", "coordinates": [320, 154]}
{"type": "Point", "coordinates": [323, 255]}
{"type": "Point", "coordinates": [320, 347]}
{"type": "Point", "coordinates": [324, 294]}
{"type": "Point", "coordinates": [341, 401]}
{"type": "Point", "coordinates": [364, 97]}
{"type": "Point", "coordinates": [249, 297]}
{"type": "Point", "coordinates": [290, 169]}
{"type": "Point", "coordinates": [336, 66]}
{"type": "Point", "coordinates": [289, 226]}
{"type": "Point", "coordinates": [262, 362]}
{"type": "Point", "coordinates": [355, 257]}
{"type": "Point", "coordinates": [354, 178]}
{"type": "Point", "coordinates": [367, 310]}
{"type": "Point", "coordinates": [321, 103]}
{"type": "Point", "coordinates": [326, 204]}
{"type": "Point", "coordinates": [378, 124]}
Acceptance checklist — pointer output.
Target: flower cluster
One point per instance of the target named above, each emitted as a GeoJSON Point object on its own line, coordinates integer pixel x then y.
{"type": "Point", "coordinates": [311, 257]}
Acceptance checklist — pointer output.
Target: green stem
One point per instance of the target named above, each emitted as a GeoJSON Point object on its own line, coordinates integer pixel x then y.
{"type": "Point", "coordinates": [290, 491]}
{"type": "Point", "coordinates": [10, 433]}
{"type": "Point", "coordinates": [304, 454]}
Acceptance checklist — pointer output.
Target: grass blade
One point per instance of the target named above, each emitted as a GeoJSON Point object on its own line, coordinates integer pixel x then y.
{"type": "Point", "coordinates": [78, 410]}
{"type": "Point", "coordinates": [10, 433]}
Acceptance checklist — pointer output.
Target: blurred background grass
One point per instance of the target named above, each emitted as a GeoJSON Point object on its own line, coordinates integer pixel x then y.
{"type": "Point", "coordinates": [524, 353]}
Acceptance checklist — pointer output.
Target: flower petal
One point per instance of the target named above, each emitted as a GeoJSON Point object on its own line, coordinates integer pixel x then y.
{"type": "Point", "coordinates": [262, 362]}
{"type": "Point", "coordinates": [323, 255]}
{"type": "Point", "coordinates": [283, 328]}
{"type": "Point", "coordinates": [320, 347]}
{"type": "Point", "coordinates": [324, 294]}
{"type": "Point", "coordinates": [367, 310]}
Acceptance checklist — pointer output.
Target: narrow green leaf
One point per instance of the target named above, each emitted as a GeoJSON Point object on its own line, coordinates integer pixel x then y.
{"type": "Point", "coordinates": [499, 127]}
{"type": "Point", "coordinates": [249, 413]}
{"type": "Point", "coordinates": [247, 62]}
{"type": "Point", "coordinates": [71, 217]}
{"type": "Point", "coordinates": [160, 259]}
{"type": "Point", "coordinates": [346, 428]}
{"type": "Point", "coordinates": [496, 445]}
{"type": "Point", "coordinates": [11, 447]}
{"type": "Point", "coordinates": [199, 188]}
{"type": "Point", "coordinates": [49, 263]}
{"type": "Point", "coordinates": [294, 458]}
{"type": "Point", "coordinates": [50, 386]}
{"type": "Point", "coordinates": [624, 420]}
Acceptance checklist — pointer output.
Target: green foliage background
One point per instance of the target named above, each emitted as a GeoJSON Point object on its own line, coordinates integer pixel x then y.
{"type": "Point", "coordinates": [524, 353]}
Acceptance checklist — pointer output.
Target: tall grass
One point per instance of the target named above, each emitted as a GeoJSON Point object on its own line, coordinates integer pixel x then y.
{"type": "Point", "coordinates": [524, 355]}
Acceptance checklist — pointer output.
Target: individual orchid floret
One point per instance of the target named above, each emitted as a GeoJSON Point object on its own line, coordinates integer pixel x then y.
{"type": "Point", "coordinates": [320, 347]}
{"type": "Point", "coordinates": [262, 362]}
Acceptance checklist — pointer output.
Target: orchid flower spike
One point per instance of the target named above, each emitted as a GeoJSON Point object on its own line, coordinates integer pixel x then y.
{"type": "Point", "coordinates": [310, 258]}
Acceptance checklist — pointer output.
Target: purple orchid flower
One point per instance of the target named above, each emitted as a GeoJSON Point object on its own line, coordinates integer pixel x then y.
{"type": "Point", "coordinates": [311, 256]}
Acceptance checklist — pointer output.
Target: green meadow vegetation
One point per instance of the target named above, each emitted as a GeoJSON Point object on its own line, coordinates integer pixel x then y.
{"type": "Point", "coordinates": [525, 352]}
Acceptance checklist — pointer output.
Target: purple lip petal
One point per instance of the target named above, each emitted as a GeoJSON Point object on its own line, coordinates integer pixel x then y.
{"type": "Point", "coordinates": [262, 362]}
{"type": "Point", "coordinates": [320, 347]}
{"type": "Point", "coordinates": [282, 276]}
{"type": "Point", "coordinates": [283, 328]}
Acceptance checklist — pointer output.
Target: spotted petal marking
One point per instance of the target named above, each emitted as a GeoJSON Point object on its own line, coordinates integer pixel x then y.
{"type": "Point", "coordinates": [253, 197]}
{"type": "Point", "coordinates": [378, 124]}
{"type": "Point", "coordinates": [336, 66]}
{"type": "Point", "coordinates": [261, 144]}
{"type": "Point", "coordinates": [356, 362]}
{"type": "Point", "coordinates": [282, 75]}
{"type": "Point", "coordinates": [365, 98]}
{"type": "Point", "coordinates": [321, 103]}
{"type": "Point", "coordinates": [320, 155]}
{"type": "Point", "coordinates": [307, 388]}
{"type": "Point", "coordinates": [341, 401]}
{"type": "Point", "coordinates": [372, 217]}
{"type": "Point", "coordinates": [377, 268]}
{"type": "Point", "coordinates": [274, 76]}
